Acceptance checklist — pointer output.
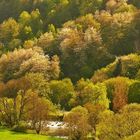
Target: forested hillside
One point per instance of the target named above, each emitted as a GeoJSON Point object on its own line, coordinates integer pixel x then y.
{"type": "Point", "coordinates": [71, 60]}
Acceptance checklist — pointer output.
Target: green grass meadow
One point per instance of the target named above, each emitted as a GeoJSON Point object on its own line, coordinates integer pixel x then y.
{"type": "Point", "coordinates": [10, 135]}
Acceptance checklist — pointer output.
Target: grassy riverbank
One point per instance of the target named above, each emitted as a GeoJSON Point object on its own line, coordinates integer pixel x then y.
{"type": "Point", "coordinates": [6, 134]}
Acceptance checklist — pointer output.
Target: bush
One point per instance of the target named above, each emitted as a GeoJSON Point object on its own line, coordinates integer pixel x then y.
{"type": "Point", "coordinates": [22, 127]}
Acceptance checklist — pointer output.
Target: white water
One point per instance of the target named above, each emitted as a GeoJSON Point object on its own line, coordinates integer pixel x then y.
{"type": "Point", "coordinates": [55, 124]}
